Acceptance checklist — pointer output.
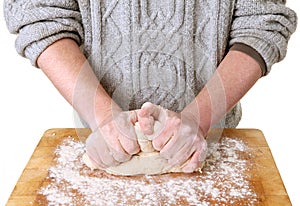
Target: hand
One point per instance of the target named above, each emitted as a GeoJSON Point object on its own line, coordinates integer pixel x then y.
{"type": "Point", "coordinates": [179, 139]}
{"type": "Point", "coordinates": [114, 141]}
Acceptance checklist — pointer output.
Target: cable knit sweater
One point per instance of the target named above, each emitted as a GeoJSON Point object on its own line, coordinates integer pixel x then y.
{"type": "Point", "coordinates": [153, 50]}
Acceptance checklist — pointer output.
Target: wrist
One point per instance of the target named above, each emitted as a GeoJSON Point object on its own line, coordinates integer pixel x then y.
{"type": "Point", "coordinates": [193, 113]}
{"type": "Point", "coordinates": [104, 112]}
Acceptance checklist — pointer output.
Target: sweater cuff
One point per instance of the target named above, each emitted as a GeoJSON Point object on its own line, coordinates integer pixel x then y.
{"type": "Point", "coordinates": [252, 53]}
{"type": "Point", "coordinates": [35, 49]}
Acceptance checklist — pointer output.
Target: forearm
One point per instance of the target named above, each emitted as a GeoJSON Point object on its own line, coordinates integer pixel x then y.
{"type": "Point", "coordinates": [69, 71]}
{"type": "Point", "coordinates": [236, 74]}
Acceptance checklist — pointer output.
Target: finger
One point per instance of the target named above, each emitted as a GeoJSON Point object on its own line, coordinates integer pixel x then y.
{"type": "Point", "coordinates": [197, 159]}
{"type": "Point", "coordinates": [157, 127]}
{"type": "Point", "coordinates": [129, 145]}
{"type": "Point", "coordinates": [146, 124]}
{"type": "Point", "coordinates": [98, 151]}
{"type": "Point", "coordinates": [128, 140]}
{"type": "Point", "coordinates": [167, 132]}
{"type": "Point", "coordinates": [180, 139]}
{"type": "Point", "coordinates": [171, 147]}
{"type": "Point", "coordinates": [94, 158]}
{"type": "Point", "coordinates": [123, 130]}
{"type": "Point", "coordinates": [133, 116]}
{"type": "Point", "coordinates": [105, 155]}
{"type": "Point", "coordinates": [107, 158]}
{"type": "Point", "coordinates": [89, 162]}
{"type": "Point", "coordinates": [115, 148]}
{"type": "Point", "coordinates": [119, 157]}
{"type": "Point", "coordinates": [182, 155]}
{"type": "Point", "coordinates": [149, 109]}
{"type": "Point", "coordinates": [194, 163]}
{"type": "Point", "coordinates": [163, 138]}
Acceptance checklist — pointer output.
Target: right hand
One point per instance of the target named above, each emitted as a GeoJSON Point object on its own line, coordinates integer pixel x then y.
{"type": "Point", "coordinates": [114, 141]}
{"type": "Point", "coordinates": [179, 139]}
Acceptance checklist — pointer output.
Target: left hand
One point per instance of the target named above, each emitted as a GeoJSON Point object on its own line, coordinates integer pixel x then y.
{"type": "Point", "coordinates": [114, 141]}
{"type": "Point", "coordinates": [179, 139]}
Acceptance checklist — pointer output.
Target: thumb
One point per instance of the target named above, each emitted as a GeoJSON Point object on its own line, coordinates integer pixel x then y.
{"type": "Point", "coordinates": [149, 109]}
{"type": "Point", "coordinates": [146, 123]}
{"type": "Point", "coordinates": [146, 117]}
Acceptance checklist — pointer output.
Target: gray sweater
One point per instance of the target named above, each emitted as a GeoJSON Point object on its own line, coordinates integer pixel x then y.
{"type": "Point", "coordinates": [153, 50]}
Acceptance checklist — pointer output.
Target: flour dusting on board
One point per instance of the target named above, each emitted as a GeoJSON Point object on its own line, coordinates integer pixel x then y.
{"type": "Point", "coordinates": [223, 181]}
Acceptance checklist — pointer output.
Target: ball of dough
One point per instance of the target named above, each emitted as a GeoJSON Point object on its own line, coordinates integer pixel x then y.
{"type": "Point", "coordinates": [148, 161]}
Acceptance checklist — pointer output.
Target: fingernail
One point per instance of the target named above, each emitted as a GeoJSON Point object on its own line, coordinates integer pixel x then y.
{"type": "Point", "coordinates": [188, 169]}
{"type": "Point", "coordinates": [157, 147]}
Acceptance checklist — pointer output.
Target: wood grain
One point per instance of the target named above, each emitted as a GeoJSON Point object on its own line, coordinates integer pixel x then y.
{"type": "Point", "coordinates": [264, 176]}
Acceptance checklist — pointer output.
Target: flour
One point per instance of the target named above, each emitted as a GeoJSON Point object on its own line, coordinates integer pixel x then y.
{"type": "Point", "coordinates": [224, 181]}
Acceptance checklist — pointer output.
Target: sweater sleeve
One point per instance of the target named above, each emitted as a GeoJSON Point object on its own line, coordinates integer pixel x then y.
{"type": "Point", "coordinates": [264, 25]}
{"type": "Point", "coordinates": [39, 23]}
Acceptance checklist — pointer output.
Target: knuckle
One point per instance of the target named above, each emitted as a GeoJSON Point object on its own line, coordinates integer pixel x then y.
{"type": "Point", "coordinates": [147, 105]}
{"type": "Point", "coordinates": [122, 157]}
{"type": "Point", "coordinates": [129, 144]}
{"type": "Point", "coordinates": [109, 161]}
{"type": "Point", "coordinates": [180, 160]}
{"type": "Point", "coordinates": [176, 121]}
{"type": "Point", "coordinates": [157, 145]}
{"type": "Point", "coordinates": [132, 148]}
{"type": "Point", "coordinates": [188, 130]}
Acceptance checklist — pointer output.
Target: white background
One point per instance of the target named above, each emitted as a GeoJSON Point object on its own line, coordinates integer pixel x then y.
{"type": "Point", "coordinates": [29, 105]}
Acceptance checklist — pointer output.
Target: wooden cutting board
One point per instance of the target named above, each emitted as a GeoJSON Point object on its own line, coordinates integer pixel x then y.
{"type": "Point", "coordinates": [265, 178]}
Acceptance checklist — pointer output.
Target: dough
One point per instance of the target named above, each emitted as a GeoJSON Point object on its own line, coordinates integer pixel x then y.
{"type": "Point", "coordinates": [148, 161]}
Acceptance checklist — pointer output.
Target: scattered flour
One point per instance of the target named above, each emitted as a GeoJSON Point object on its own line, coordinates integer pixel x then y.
{"type": "Point", "coordinates": [224, 181]}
